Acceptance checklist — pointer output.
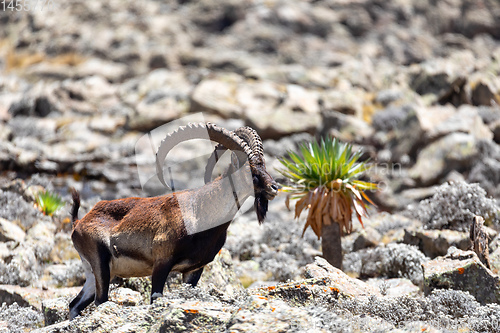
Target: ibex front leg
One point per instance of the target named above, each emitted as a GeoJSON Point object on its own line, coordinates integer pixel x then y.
{"type": "Point", "coordinates": [161, 270]}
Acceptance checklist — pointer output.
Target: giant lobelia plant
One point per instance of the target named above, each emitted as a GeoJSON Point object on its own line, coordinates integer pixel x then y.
{"type": "Point", "coordinates": [324, 179]}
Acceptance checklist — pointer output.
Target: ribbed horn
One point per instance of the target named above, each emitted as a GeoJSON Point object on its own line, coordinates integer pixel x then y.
{"type": "Point", "coordinates": [252, 138]}
{"type": "Point", "coordinates": [198, 131]}
{"type": "Point", "coordinates": [247, 134]}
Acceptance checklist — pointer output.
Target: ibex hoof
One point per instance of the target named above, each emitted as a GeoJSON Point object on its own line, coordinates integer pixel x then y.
{"type": "Point", "coordinates": [155, 296]}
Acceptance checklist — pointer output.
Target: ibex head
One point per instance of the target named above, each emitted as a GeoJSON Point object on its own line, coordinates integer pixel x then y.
{"type": "Point", "coordinates": [243, 140]}
{"type": "Point", "coordinates": [265, 187]}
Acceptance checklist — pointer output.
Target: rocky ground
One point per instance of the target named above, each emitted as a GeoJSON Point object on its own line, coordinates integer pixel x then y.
{"type": "Point", "coordinates": [86, 86]}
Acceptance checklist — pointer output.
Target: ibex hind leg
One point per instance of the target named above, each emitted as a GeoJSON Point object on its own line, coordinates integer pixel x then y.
{"type": "Point", "coordinates": [86, 295]}
{"type": "Point", "coordinates": [102, 274]}
{"type": "Point", "coordinates": [192, 277]}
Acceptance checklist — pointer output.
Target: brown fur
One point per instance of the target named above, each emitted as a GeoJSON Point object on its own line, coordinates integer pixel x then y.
{"type": "Point", "coordinates": [135, 227]}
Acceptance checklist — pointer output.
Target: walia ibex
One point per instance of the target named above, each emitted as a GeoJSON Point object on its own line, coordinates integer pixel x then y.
{"type": "Point", "coordinates": [180, 231]}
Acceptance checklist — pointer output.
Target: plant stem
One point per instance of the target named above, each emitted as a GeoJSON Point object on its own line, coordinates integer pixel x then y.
{"type": "Point", "coordinates": [331, 243]}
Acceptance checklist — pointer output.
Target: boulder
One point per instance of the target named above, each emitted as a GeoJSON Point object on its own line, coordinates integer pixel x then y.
{"type": "Point", "coordinates": [126, 297]}
{"type": "Point", "coordinates": [33, 297]}
{"type": "Point", "coordinates": [69, 273]}
{"type": "Point", "coordinates": [10, 232]}
{"type": "Point", "coordinates": [438, 121]}
{"type": "Point", "coordinates": [162, 316]}
{"type": "Point", "coordinates": [110, 70]}
{"type": "Point", "coordinates": [394, 287]}
{"type": "Point", "coordinates": [407, 135]}
{"type": "Point", "coordinates": [348, 102]}
{"type": "Point", "coordinates": [152, 114]}
{"type": "Point", "coordinates": [455, 151]}
{"type": "Point", "coordinates": [495, 129]}
{"type": "Point", "coordinates": [254, 317]}
{"type": "Point", "coordinates": [485, 93]}
{"type": "Point", "coordinates": [106, 124]}
{"type": "Point", "coordinates": [347, 128]}
{"type": "Point", "coordinates": [217, 96]}
{"type": "Point", "coordinates": [280, 122]}
{"type": "Point", "coordinates": [337, 281]}
{"type": "Point", "coordinates": [280, 147]}
{"type": "Point", "coordinates": [278, 111]}
{"type": "Point", "coordinates": [55, 310]}
{"type": "Point", "coordinates": [479, 19]}
{"type": "Point", "coordinates": [436, 76]}
{"type": "Point", "coordinates": [435, 243]}
{"type": "Point", "coordinates": [390, 118]}
{"type": "Point", "coordinates": [495, 261]}
{"type": "Point", "coordinates": [219, 275]}
{"type": "Point", "coordinates": [367, 237]}
{"type": "Point", "coordinates": [462, 270]}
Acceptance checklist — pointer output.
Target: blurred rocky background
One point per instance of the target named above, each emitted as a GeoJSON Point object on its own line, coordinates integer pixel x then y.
{"type": "Point", "coordinates": [414, 83]}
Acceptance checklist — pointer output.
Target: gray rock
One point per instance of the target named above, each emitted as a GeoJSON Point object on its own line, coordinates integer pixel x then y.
{"type": "Point", "coordinates": [408, 136]}
{"type": "Point", "coordinates": [152, 115]}
{"type": "Point", "coordinates": [218, 96]}
{"type": "Point", "coordinates": [87, 96]}
{"type": "Point", "coordinates": [289, 143]}
{"type": "Point", "coordinates": [337, 281]}
{"type": "Point", "coordinates": [219, 276]}
{"type": "Point", "coordinates": [462, 270]}
{"type": "Point", "coordinates": [438, 121]}
{"type": "Point", "coordinates": [495, 129]}
{"type": "Point", "coordinates": [41, 239]}
{"type": "Point", "coordinates": [282, 121]}
{"type": "Point", "coordinates": [456, 151]}
{"type": "Point", "coordinates": [32, 297]}
{"type": "Point", "coordinates": [346, 102]}
{"type": "Point", "coordinates": [394, 287]}
{"type": "Point", "coordinates": [388, 96]}
{"type": "Point", "coordinates": [106, 124]}
{"type": "Point", "coordinates": [112, 71]}
{"type": "Point", "coordinates": [489, 114]}
{"type": "Point", "coordinates": [439, 77]}
{"type": "Point", "coordinates": [484, 93]}
{"type": "Point", "coordinates": [70, 273]}
{"type": "Point", "coordinates": [390, 118]}
{"type": "Point", "coordinates": [346, 128]}
{"type": "Point", "coordinates": [254, 317]}
{"type": "Point", "coordinates": [18, 319]}
{"type": "Point", "coordinates": [10, 232]}
{"type": "Point", "coordinates": [495, 261]}
{"type": "Point", "coordinates": [126, 297]}
{"type": "Point", "coordinates": [435, 243]}
{"type": "Point", "coordinates": [478, 20]}
{"type": "Point", "coordinates": [55, 310]}
{"type": "Point", "coordinates": [37, 107]}
{"type": "Point", "coordinates": [13, 207]}
{"type": "Point", "coordinates": [418, 194]}
{"type": "Point", "coordinates": [368, 237]}
{"type": "Point", "coordinates": [485, 170]}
